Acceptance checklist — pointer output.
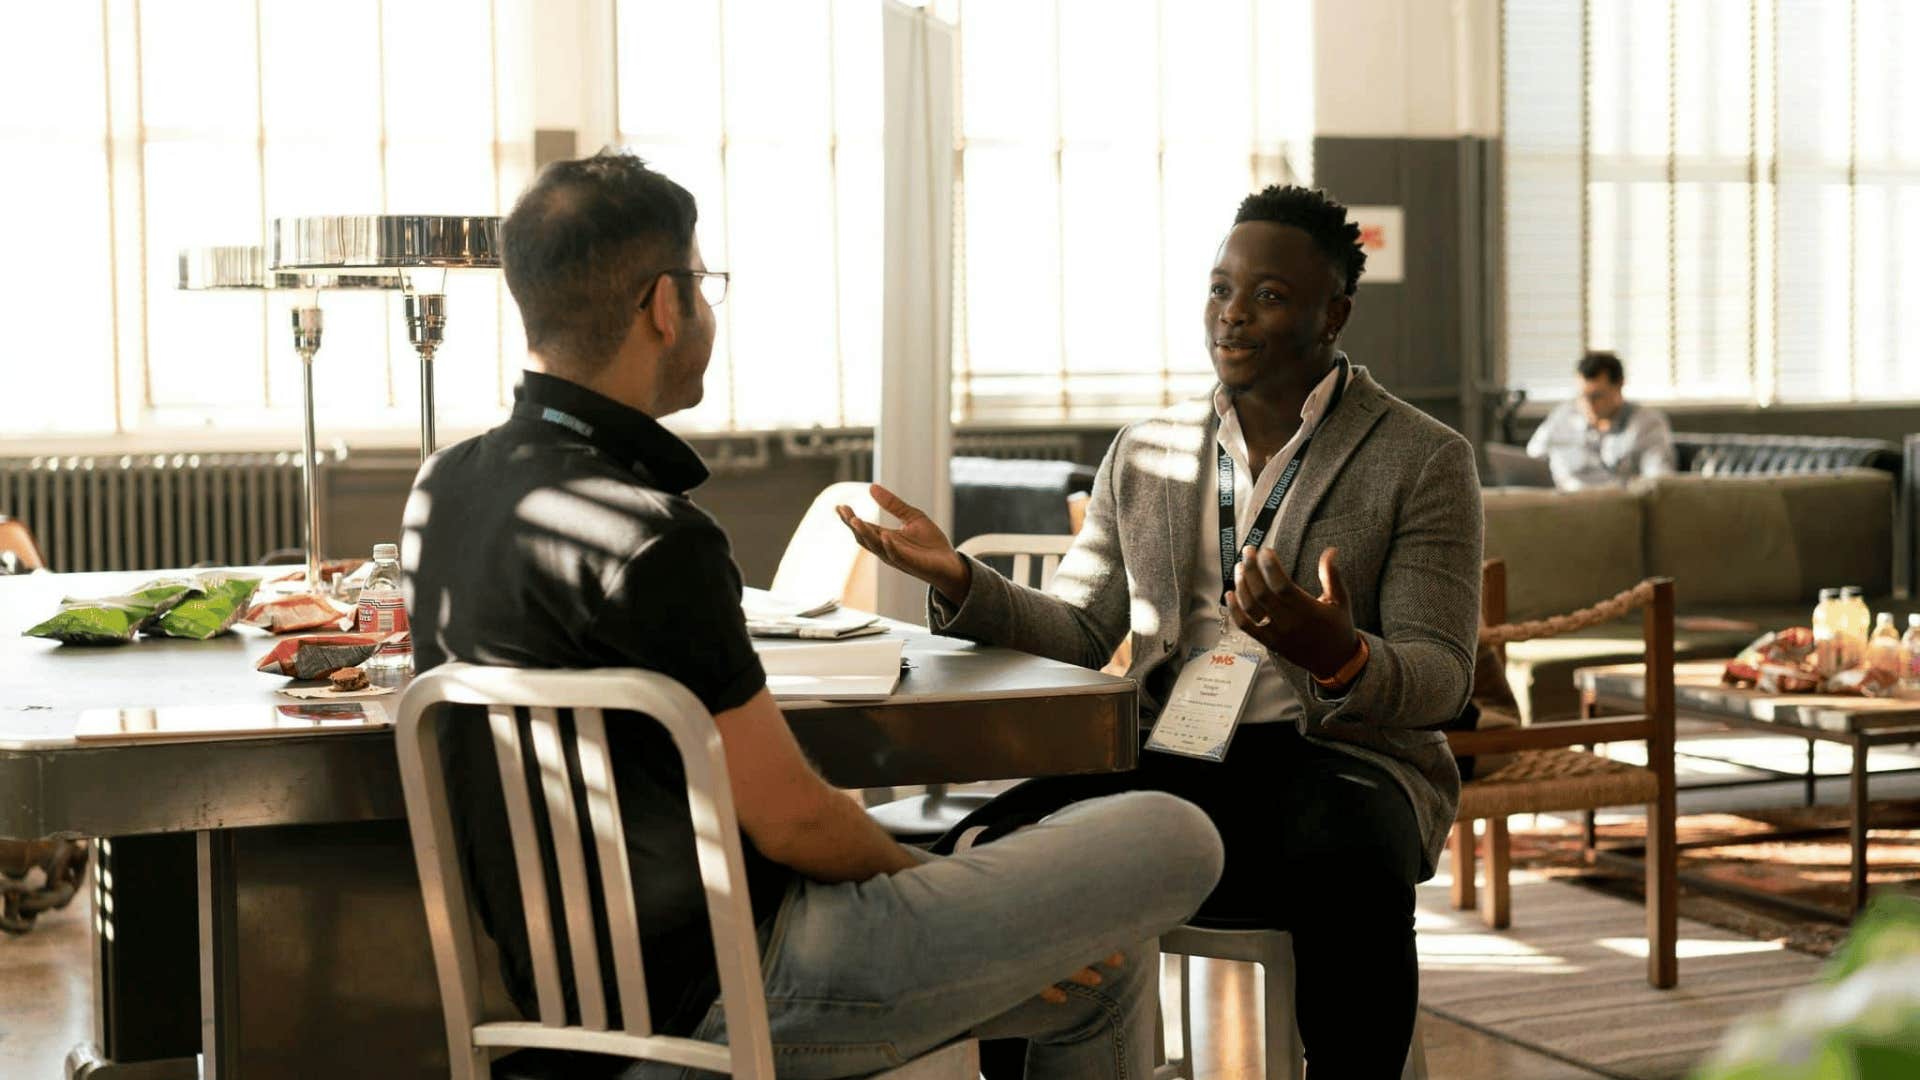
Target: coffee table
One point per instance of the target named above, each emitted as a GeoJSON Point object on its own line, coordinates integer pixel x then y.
{"type": "Point", "coordinates": [1857, 722]}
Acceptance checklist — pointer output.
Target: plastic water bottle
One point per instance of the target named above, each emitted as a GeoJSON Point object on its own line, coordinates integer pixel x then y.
{"type": "Point", "coordinates": [1883, 649]}
{"type": "Point", "coordinates": [1826, 640]}
{"type": "Point", "coordinates": [1910, 657]}
{"type": "Point", "coordinates": [382, 610]}
{"type": "Point", "coordinates": [1854, 622]}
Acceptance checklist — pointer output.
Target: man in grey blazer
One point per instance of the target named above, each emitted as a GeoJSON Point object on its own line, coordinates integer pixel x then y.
{"type": "Point", "coordinates": [1336, 787]}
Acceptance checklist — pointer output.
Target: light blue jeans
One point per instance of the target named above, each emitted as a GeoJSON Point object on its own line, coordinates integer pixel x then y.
{"type": "Point", "coordinates": [863, 977]}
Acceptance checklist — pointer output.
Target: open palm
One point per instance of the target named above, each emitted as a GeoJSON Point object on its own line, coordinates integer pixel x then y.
{"type": "Point", "coordinates": [918, 546]}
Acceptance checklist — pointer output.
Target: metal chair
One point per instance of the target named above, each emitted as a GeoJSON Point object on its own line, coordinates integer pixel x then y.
{"type": "Point", "coordinates": [927, 817]}
{"type": "Point", "coordinates": [1273, 951]}
{"type": "Point", "coordinates": [505, 693]}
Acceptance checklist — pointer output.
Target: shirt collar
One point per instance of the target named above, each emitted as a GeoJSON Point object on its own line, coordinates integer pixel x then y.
{"type": "Point", "coordinates": [624, 433]}
{"type": "Point", "coordinates": [1311, 410]}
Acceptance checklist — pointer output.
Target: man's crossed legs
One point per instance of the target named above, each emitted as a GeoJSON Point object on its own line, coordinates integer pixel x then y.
{"type": "Point", "coordinates": [861, 977]}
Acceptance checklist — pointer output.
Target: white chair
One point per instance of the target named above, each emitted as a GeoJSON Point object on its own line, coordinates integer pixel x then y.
{"type": "Point", "coordinates": [926, 817]}
{"type": "Point", "coordinates": [472, 1040]}
{"type": "Point", "coordinates": [1273, 951]}
{"type": "Point", "coordinates": [822, 560]}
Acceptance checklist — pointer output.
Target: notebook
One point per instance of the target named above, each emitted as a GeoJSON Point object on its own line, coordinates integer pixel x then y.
{"type": "Point", "coordinates": [864, 670]}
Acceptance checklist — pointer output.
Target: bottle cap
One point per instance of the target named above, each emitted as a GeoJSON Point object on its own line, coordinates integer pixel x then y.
{"type": "Point", "coordinates": [1847, 592]}
{"type": "Point", "coordinates": [1829, 594]}
{"type": "Point", "coordinates": [386, 551]}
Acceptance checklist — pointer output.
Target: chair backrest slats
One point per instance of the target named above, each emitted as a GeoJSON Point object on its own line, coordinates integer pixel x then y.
{"type": "Point", "coordinates": [526, 858]}
{"type": "Point", "coordinates": [524, 719]}
{"type": "Point", "coordinates": [1023, 548]}
{"type": "Point", "coordinates": [576, 895]}
{"type": "Point", "coordinates": [616, 874]}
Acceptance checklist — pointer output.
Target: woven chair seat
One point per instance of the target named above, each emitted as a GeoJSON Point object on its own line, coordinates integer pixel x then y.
{"type": "Point", "coordinates": [1541, 781]}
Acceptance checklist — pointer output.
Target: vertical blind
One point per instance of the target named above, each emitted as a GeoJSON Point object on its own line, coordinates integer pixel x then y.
{"type": "Point", "coordinates": [1103, 149]}
{"type": "Point", "coordinates": [1725, 192]}
{"type": "Point", "coordinates": [135, 128]}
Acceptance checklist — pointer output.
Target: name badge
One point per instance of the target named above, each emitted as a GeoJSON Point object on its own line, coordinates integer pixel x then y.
{"type": "Point", "coordinates": [1206, 703]}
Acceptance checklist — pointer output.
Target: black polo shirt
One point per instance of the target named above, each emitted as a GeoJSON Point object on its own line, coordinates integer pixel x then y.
{"type": "Point", "coordinates": [564, 539]}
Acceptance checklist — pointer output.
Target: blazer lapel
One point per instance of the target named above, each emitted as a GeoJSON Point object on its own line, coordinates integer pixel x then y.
{"type": "Point", "coordinates": [1361, 406]}
{"type": "Point", "coordinates": [1183, 465]}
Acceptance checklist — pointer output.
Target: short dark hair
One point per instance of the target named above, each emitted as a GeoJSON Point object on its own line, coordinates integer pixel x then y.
{"type": "Point", "coordinates": [1598, 363]}
{"type": "Point", "coordinates": [1313, 212]}
{"type": "Point", "coordinates": [579, 246]}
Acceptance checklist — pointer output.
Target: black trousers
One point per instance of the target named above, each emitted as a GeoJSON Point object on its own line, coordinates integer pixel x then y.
{"type": "Point", "coordinates": [1318, 843]}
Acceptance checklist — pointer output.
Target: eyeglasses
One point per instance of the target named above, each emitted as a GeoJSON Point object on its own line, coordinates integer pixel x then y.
{"type": "Point", "coordinates": [711, 283]}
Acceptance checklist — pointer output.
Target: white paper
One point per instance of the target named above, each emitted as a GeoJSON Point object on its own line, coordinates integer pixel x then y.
{"type": "Point", "coordinates": [1205, 705]}
{"type": "Point", "coordinates": [831, 670]}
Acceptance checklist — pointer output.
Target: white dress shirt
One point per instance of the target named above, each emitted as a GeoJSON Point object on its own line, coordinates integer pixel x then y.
{"type": "Point", "coordinates": [1272, 698]}
{"type": "Point", "coordinates": [1638, 442]}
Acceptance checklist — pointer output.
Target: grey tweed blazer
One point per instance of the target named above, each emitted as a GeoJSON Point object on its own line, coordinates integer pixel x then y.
{"type": "Point", "coordinates": [1395, 490]}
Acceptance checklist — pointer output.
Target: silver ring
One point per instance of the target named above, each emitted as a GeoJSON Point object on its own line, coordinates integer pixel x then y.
{"type": "Point", "coordinates": [1263, 620]}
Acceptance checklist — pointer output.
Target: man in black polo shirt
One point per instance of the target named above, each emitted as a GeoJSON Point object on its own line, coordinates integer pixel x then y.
{"type": "Point", "coordinates": [564, 538]}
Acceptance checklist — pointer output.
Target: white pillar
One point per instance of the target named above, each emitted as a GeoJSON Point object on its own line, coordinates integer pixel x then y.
{"type": "Point", "coordinates": [913, 440]}
{"type": "Point", "coordinates": [1406, 68]}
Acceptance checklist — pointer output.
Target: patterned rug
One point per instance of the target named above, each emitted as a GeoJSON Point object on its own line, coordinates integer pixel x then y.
{"type": "Point", "coordinates": [1812, 871]}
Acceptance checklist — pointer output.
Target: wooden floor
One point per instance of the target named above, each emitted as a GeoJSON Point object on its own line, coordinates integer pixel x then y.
{"type": "Point", "coordinates": [45, 1008]}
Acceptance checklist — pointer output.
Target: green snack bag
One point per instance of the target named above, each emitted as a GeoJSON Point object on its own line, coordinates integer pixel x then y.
{"type": "Point", "coordinates": [113, 620]}
{"type": "Point", "coordinates": [92, 622]}
{"type": "Point", "coordinates": [211, 610]}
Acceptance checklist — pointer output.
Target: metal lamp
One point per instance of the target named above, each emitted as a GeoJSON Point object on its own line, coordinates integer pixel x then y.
{"type": "Point", "coordinates": [397, 243]}
{"type": "Point", "coordinates": [244, 268]}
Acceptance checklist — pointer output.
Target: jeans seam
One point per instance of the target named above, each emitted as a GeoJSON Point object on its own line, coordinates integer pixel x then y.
{"type": "Point", "coordinates": [1116, 1023]}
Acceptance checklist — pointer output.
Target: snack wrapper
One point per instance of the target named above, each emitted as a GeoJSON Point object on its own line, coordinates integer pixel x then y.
{"type": "Point", "coordinates": [211, 610]}
{"type": "Point", "coordinates": [1778, 663]}
{"type": "Point", "coordinates": [307, 611]}
{"type": "Point", "coordinates": [1865, 681]}
{"type": "Point", "coordinates": [1786, 662]}
{"type": "Point", "coordinates": [113, 620]}
{"type": "Point", "coordinates": [318, 655]}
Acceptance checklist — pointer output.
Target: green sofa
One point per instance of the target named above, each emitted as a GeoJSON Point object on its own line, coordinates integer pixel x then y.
{"type": "Point", "coordinates": [1752, 548]}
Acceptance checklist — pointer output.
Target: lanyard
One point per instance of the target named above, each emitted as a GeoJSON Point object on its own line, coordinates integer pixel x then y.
{"type": "Point", "coordinates": [1230, 551]}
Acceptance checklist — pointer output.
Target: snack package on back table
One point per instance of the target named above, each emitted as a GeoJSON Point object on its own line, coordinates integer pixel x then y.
{"type": "Point", "coordinates": [318, 655]}
{"type": "Point", "coordinates": [113, 620]}
{"type": "Point", "coordinates": [306, 611]}
{"type": "Point", "coordinates": [211, 609]}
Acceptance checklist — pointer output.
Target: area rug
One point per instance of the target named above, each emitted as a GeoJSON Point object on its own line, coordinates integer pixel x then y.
{"type": "Point", "coordinates": [1812, 871]}
{"type": "Point", "coordinates": [1569, 978]}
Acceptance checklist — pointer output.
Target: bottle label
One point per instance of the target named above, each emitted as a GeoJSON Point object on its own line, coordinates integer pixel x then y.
{"type": "Point", "coordinates": [384, 615]}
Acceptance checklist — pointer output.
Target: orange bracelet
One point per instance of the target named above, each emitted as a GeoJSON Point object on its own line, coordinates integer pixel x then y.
{"type": "Point", "coordinates": [1348, 670]}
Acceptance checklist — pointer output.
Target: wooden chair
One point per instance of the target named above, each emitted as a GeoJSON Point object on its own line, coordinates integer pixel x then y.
{"type": "Point", "coordinates": [1546, 771]}
{"type": "Point", "coordinates": [17, 540]}
{"type": "Point", "coordinates": [507, 694]}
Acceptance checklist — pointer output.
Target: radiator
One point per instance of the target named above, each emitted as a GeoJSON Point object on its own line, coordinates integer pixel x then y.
{"type": "Point", "coordinates": [153, 511]}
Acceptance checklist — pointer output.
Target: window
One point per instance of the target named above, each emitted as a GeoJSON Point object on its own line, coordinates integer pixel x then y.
{"type": "Point", "coordinates": [1103, 149]}
{"type": "Point", "coordinates": [1726, 192]}
{"type": "Point", "coordinates": [147, 127]}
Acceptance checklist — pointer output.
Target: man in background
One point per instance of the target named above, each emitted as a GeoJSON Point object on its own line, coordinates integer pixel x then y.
{"type": "Point", "coordinates": [1600, 439]}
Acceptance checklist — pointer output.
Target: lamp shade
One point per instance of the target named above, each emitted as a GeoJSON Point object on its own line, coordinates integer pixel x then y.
{"type": "Point", "coordinates": [385, 241]}
{"type": "Point", "coordinates": [244, 266]}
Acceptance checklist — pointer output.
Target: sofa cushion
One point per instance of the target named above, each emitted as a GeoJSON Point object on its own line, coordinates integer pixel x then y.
{"type": "Point", "coordinates": [1773, 540]}
{"type": "Point", "coordinates": [1564, 550]}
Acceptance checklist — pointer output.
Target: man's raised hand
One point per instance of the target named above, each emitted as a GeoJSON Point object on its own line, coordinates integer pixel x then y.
{"type": "Point", "coordinates": [917, 547]}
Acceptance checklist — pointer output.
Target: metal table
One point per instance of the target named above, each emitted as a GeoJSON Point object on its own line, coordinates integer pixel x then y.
{"type": "Point", "coordinates": [255, 898]}
{"type": "Point", "coordinates": [1856, 722]}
